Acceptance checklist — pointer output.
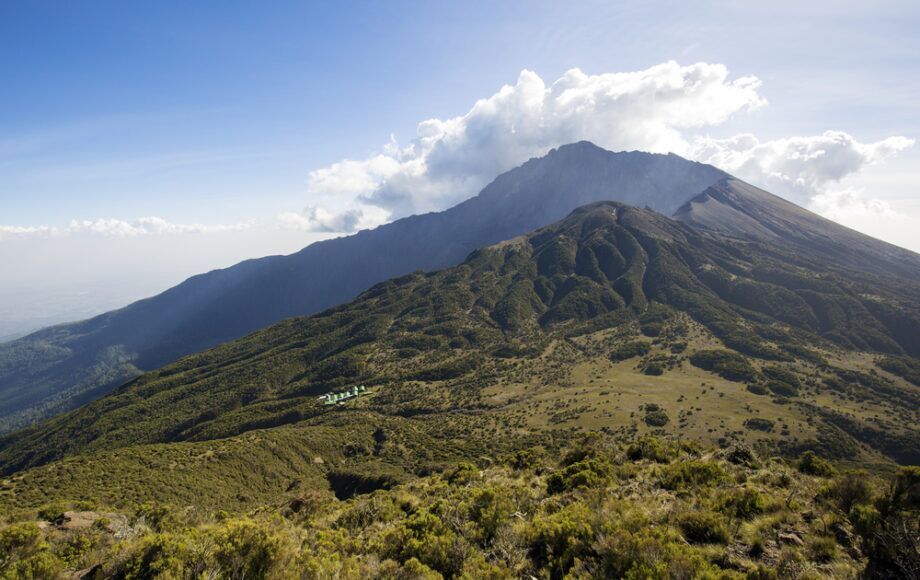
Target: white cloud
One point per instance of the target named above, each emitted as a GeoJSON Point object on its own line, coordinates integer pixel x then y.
{"type": "Point", "coordinates": [846, 205]}
{"type": "Point", "coordinates": [451, 159]}
{"type": "Point", "coordinates": [144, 226]}
{"type": "Point", "coordinates": [318, 219]}
{"type": "Point", "coordinates": [664, 108]}
{"type": "Point", "coordinates": [797, 167]}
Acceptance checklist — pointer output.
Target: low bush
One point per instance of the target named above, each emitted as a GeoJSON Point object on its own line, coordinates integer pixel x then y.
{"type": "Point", "coordinates": [652, 449]}
{"type": "Point", "coordinates": [629, 350]}
{"type": "Point", "coordinates": [704, 527]}
{"type": "Point", "coordinates": [583, 474]}
{"type": "Point", "coordinates": [728, 365]}
{"type": "Point", "coordinates": [686, 474]}
{"type": "Point", "coordinates": [809, 463]}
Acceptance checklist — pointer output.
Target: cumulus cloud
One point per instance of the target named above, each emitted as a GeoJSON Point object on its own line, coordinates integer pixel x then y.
{"type": "Point", "coordinates": [451, 159]}
{"type": "Point", "coordinates": [144, 226]}
{"type": "Point", "coordinates": [798, 167]}
{"type": "Point", "coordinates": [665, 108]}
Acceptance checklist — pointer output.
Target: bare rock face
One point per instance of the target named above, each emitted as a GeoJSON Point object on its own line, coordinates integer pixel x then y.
{"type": "Point", "coordinates": [741, 210]}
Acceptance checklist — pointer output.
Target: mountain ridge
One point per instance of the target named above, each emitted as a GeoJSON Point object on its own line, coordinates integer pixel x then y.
{"type": "Point", "coordinates": [733, 207]}
{"type": "Point", "coordinates": [431, 344]}
{"type": "Point", "coordinates": [69, 364]}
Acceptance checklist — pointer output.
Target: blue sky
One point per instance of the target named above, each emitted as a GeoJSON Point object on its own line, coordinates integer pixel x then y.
{"type": "Point", "coordinates": [216, 113]}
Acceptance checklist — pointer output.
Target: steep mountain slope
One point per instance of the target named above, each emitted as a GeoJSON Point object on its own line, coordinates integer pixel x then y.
{"type": "Point", "coordinates": [62, 367]}
{"type": "Point", "coordinates": [543, 332]}
{"type": "Point", "coordinates": [736, 208]}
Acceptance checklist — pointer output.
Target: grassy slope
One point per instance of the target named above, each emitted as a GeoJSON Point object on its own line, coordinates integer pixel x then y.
{"type": "Point", "coordinates": [515, 342]}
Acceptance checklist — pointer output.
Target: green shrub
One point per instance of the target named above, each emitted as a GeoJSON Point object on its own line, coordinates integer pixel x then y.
{"type": "Point", "coordinates": [851, 489]}
{"type": "Point", "coordinates": [653, 369]}
{"type": "Point", "coordinates": [809, 463]}
{"type": "Point", "coordinates": [490, 509]}
{"type": "Point", "coordinates": [524, 459]}
{"type": "Point", "coordinates": [246, 549]}
{"type": "Point", "coordinates": [630, 350]}
{"type": "Point", "coordinates": [556, 540]}
{"type": "Point", "coordinates": [757, 389]}
{"type": "Point", "coordinates": [652, 449]}
{"type": "Point", "coordinates": [782, 389]}
{"type": "Point", "coordinates": [728, 365]}
{"type": "Point", "coordinates": [25, 554]}
{"type": "Point", "coordinates": [583, 474]}
{"type": "Point", "coordinates": [743, 503]}
{"type": "Point", "coordinates": [704, 527]}
{"type": "Point", "coordinates": [462, 474]}
{"type": "Point", "coordinates": [424, 536]}
{"type": "Point", "coordinates": [741, 455]}
{"type": "Point", "coordinates": [691, 473]}
{"type": "Point", "coordinates": [758, 424]}
{"type": "Point", "coordinates": [656, 417]}
{"type": "Point", "coordinates": [823, 549]}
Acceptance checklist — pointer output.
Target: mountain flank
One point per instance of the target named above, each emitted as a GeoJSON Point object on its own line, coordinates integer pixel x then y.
{"type": "Point", "coordinates": [62, 367]}
{"type": "Point", "coordinates": [519, 325]}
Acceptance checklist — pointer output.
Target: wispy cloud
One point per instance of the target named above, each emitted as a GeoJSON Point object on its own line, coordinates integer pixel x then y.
{"type": "Point", "coordinates": [145, 226]}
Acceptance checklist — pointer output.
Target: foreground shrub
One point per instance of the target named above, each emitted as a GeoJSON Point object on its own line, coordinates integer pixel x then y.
{"type": "Point", "coordinates": [24, 553]}
{"type": "Point", "coordinates": [558, 539]}
{"type": "Point", "coordinates": [811, 464]}
{"type": "Point", "coordinates": [652, 449]}
{"type": "Point", "coordinates": [691, 473]}
{"type": "Point", "coordinates": [425, 537]}
{"type": "Point", "coordinates": [851, 489]}
{"type": "Point", "coordinates": [743, 503]}
{"type": "Point", "coordinates": [581, 475]}
{"type": "Point", "coordinates": [703, 527]}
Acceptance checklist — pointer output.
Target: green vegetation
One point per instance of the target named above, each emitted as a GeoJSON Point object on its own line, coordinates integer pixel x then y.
{"type": "Point", "coordinates": [629, 350]}
{"type": "Point", "coordinates": [535, 311]}
{"type": "Point", "coordinates": [502, 520]}
{"type": "Point", "coordinates": [728, 365]}
{"type": "Point", "coordinates": [480, 377]}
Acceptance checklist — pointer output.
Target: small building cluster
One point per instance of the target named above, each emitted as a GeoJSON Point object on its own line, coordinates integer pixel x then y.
{"type": "Point", "coordinates": [340, 397]}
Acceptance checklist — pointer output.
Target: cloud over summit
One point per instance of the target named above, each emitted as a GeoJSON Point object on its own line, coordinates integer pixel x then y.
{"type": "Point", "coordinates": [665, 108]}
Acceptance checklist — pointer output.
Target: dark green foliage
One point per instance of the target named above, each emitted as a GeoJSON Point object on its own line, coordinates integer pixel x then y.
{"type": "Point", "coordinates": [704, 527]}
{"type": "Point", "coordinates": [758, 424]}
{"type": "Point", "coordinates": [691, 473]}
{"type": "Point", "coordinates": [781, 381]}
{"type": "Point", "coordinates": [462, 474]}
{"type": "Point", "coordinates": [582, 474]}
{"type": "Point", "coordinates": [851, 489]}
{"type": "Point", "coordinates": [726, 364]}
{"type": "Point", "coordinates": [782, 389]}
{"type": "Point", "coordinates": [629, 350]}
{"type": "Point", "coordinates": [346, 484]}
{"type": "Point", "coordinates": [890, 530]}
{"type": "Point", "coordinates": [811, 464]}
{"type": "Point", "coordinates": [757, 389]}
{"type": "Point", "coordinates": [652, 449]}
{"type": "Point", "coordinates": [743, 503]}
{"type": "Point", "coordinates": [655, 416]}
{"type": "Point", "coordinates": [524, 459]}
{"type": "Point", "coordinates": [903, 367]}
